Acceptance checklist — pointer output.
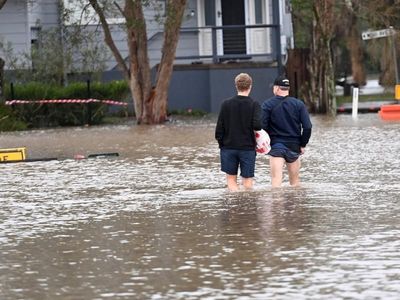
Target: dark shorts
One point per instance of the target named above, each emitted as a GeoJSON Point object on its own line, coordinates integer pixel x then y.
{"type": "Point", "coordinates": [231, 160]}
{"type": "Point", "coordinates": [281, 150]}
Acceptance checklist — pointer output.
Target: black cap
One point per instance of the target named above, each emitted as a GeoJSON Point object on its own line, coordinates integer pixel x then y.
{"type": "Point", "coordinates": [282, 81]}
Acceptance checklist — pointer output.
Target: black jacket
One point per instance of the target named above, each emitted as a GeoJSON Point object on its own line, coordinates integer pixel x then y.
{"type": "Point", "coordinates": [238, 118]}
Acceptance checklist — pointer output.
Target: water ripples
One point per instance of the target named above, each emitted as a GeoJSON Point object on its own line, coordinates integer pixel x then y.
{"type": "Point", "coordinates": [157, 222]}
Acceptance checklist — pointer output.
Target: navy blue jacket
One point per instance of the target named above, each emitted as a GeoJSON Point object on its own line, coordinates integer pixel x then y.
{"type": "Point", "coordinates": [238, 118]}
{"type": "Point", "coordinates": [286, 120]}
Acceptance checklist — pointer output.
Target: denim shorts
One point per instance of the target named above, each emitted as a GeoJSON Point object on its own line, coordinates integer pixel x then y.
{"type": "Point", "coordinates": [281, 150]}
{"type": "Point", "coordinates": [232, 159]}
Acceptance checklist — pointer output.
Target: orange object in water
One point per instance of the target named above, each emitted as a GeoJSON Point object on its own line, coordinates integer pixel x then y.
{"type": "Point", "coordinates": [390, 112]}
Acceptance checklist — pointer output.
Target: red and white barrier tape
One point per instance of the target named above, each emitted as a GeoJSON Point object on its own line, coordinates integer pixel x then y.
{"type": "Point", "coordinates": [109, 102]}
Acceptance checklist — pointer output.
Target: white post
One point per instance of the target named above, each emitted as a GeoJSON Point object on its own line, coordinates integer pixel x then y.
{"type": "Point", "coordinates": [355, 103]}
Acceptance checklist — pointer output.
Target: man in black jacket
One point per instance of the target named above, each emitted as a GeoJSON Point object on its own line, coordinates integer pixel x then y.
{"type": "Point", "coordinates": [288, 124]}
{"type": "Point", "coordinates": [238, 118]}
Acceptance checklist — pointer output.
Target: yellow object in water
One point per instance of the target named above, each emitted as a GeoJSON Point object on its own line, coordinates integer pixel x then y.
{"type": "Point", "coordinates": [12, 154]}
{"type": "Point", "coordinates": [397, 92]}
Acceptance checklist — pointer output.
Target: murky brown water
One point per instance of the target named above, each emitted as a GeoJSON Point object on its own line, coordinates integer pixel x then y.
{"type": "Point", "coordinates": [157, 223]}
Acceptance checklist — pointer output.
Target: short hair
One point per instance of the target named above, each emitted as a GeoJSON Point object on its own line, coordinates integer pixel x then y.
{"type": "Point", "coordinates": [243, 82]}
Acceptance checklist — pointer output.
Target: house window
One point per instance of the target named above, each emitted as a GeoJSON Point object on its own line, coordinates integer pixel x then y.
{"type": "Point", "coordinates": [259, 11]}
{"type": "Point", "coordinates": [287, 6]}
{"type": "Point", "coordinates": [35, 43]}
{"type": "Point", "coordinates": [209, 12]}
{"type": "Point", "coordinates": [35, 32]}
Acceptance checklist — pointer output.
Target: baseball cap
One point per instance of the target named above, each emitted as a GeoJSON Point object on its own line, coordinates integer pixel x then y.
{"type": "Point", "coordinates": [282, 81]}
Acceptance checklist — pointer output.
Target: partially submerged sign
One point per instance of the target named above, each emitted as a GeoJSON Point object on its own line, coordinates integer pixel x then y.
{"type": "Point", "coordinates": [12, 154]}
{"type": "Point", "coordinates": [368, 35]}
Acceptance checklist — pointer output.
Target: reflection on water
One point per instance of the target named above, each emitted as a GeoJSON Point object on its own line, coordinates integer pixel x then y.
{"type": "Point", "coordinates": [157, 223]}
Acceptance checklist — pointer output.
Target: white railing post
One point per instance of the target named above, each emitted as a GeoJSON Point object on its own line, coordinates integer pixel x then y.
{"type": "Point", "coordinates": [355, 102]}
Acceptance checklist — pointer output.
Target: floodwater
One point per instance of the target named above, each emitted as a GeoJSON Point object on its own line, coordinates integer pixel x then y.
{"type": "Point", "coordinates": [157, 223]}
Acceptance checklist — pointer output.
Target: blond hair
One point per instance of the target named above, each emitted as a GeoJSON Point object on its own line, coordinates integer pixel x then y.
{"type": "Point", "coordinates": [243, 82]}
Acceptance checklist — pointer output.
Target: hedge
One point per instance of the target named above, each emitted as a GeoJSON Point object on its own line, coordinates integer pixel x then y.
{"type": "Point", "coordinates": [68, 114]}
{"type": "Point", "coordinates": [8, 120]}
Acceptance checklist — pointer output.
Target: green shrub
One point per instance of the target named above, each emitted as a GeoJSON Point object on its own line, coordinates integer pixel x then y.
{"type": "Point", "coordinates": [8, 121]}
{"type": "Point", "coordinates": [65, 114]}
{"type": "Point", "coordinates": [52, 115]}
{"type": "Point", "coordinates": [114, 90]}
{"type": "Point", "coordinates": [31, 91]}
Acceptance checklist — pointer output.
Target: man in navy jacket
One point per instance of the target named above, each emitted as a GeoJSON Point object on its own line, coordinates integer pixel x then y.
{"type": "Point", "coordinates": [288, 124]}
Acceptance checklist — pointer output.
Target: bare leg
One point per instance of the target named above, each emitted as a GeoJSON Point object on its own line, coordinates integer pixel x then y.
{"type": "Point", "coordinates": [231, 181]}
{"type": "Point", "coordinates": [247, 183]}
{"type": "Point", "coordinates": [294, 172]}
{"type": "Point", "coordinates": [276, 165]}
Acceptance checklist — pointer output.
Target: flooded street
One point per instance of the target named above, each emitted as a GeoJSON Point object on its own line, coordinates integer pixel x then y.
{"type": "Point", "coordinates": [157, 222]}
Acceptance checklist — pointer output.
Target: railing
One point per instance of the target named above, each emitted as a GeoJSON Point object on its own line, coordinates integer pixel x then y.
{"type": "Point", "coordinates": [236, 42]}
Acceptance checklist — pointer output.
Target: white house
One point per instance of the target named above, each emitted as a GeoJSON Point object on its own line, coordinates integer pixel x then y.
{"type": "Point", "coordinates": [218, 35]}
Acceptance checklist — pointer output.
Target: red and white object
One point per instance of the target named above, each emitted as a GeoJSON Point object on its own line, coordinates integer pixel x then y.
{"type": "Point", "coordinates": [263, 141]}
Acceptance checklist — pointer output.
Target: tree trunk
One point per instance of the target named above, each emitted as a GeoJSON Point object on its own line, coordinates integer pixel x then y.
{"type": "Point", "coordinates": [2, 2]}
{"type": "Point", "coordinates": [322, 83]}
{"type": "Point", "coordinates": [171, 37]}
{"type": "Point", "coordinates": [150, 102]}
{"type": "Point", "coordinates": [138, 73]}
{"type": "Point", "coordinates": [382, 14]}
{"type": "Point", "coordinates": [140, 80]}
{"type": "Point", "coordinates": [354, 44]}
{"type": "Point", "coordinates": [387, 75]}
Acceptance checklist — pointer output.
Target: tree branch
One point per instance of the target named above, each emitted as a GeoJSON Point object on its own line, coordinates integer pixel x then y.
{"type": "Point", "coordinates": [119, 8]}
{"type": "Point", "coordinates": [108, 38]}
{"type": "Point", "coordinates": [2, 2]}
